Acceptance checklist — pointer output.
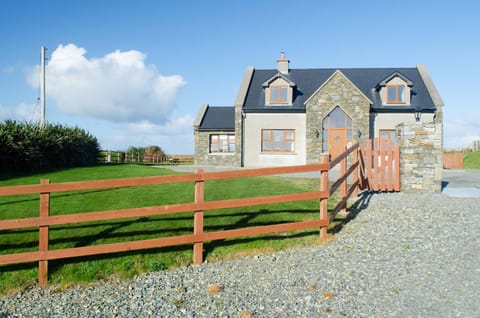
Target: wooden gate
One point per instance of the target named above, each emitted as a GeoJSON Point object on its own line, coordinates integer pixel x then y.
{"type": "Point", "coordinates": [380, 165]}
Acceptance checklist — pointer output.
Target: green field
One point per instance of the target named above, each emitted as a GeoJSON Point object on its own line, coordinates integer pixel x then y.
{"type": "Point", "coordinates": [471, 160]}
{"type": "Point", "coordinates": [124, 265]}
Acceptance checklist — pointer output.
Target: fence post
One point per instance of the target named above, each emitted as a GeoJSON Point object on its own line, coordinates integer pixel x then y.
{"type": "Point", "coordinates": [398, 166]}
{"type": "Point", "coordinates": [368, 164]}
{"type": "Point", "coordinates": [43, 235]}
{"type": "Point", "coordinates": [355, 172]}
{"type": "Point", "coordinates": [343, 186]}
{"type": "Point", "coordinates": [323, 201]}
{"type": "Point", "coordinates": [198, 217]}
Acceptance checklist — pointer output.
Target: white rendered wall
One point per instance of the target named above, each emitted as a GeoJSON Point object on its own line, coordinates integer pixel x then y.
{"type": "Point", "coordinates": [390, 121]}
{"type": "Point", "coordinates": [254, 123]}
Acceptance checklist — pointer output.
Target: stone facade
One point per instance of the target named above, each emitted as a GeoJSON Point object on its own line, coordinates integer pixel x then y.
{"type": "Point", "coordinates": [202, 154]}
{"type": "Point", "coordinates": [421, 157]}
{"type": "Point", "coordinates": [337, 91]}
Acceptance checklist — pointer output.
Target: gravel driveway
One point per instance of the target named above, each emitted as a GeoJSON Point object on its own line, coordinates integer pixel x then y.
{"type": "Point", "coordinates": [461, 182]}
{"type": "Point", "coordinates": [400, 256]}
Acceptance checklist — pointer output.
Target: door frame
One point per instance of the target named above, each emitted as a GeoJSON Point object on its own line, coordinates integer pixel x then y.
{"type": "Point", "coordinates": [338, 128]}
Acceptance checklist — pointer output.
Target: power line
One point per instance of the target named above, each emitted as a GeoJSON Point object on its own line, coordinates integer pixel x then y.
{"type": "Point", "coordinates": [35, 108]}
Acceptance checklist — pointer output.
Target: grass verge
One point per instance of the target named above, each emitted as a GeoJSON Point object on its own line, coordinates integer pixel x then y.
{"type": "Point", "coordinates": [125, 265]}
{"type": "Point", "coordinates": [471, 160]}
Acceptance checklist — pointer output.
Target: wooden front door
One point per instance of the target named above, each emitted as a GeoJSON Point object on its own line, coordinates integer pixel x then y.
{"type": "Point", "coordinates": [337, 131]}
{"type": "Point", "coordinates": [337, 140]}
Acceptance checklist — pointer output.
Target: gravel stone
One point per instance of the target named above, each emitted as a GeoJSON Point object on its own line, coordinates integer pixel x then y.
{"type": "Point", "coordinates": [401, 255]}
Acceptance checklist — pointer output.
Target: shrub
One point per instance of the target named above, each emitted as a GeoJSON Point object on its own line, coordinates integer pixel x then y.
{"type": "Point", "coordinates": [144, 154]}
{"type": "Point", "coordinates": [27, 147]}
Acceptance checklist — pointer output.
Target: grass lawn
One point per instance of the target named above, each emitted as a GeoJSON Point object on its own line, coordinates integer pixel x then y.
{"type": "Point", "coordinates": [471, 160]}
{"type": "Point", "coordinates": [87, 269]}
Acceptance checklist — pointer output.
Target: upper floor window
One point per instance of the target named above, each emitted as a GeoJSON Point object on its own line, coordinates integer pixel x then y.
{"type": "Point", "coordinates": [222, 143]}
{"type": "Point", "coordinates": [278, 140]}
{"type": "Point", "coordinates": [395, 94]}
{"type": "Point", "coordinates": [278, 94]}
{"type": "Point", "coordinates": [279, 90]}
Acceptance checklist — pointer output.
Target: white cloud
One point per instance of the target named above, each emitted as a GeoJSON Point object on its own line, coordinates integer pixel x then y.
{"type": "Point", "coordinates": [175, 136]}
{"type": "Point", "coordinates": [22, 112]}
{"type": "Point", "coordinates": [116, 87]}
{"type": "Point", "coordinates": [460, 133]}
{"type": "Point", "coordinates": [173, 126]}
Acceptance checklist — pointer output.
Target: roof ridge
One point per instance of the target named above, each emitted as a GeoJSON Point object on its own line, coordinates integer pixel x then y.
{"type": "Point", "coordinates": [341, 68]}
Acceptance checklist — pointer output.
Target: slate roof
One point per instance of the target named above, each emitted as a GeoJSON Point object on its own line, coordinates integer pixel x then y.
{"type": "Point", "coordinates": [309, 80]}
{"type": "Point", "coordinates": [218, 118]}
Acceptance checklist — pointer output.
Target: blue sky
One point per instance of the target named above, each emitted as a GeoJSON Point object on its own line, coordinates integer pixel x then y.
{"type": "Point", "coordinates": [134, 73]}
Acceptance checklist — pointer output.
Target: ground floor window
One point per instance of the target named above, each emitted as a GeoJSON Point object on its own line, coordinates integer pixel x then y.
{"type": "Point", "coordinates": [222, 143]}
{"type": "Point", "coordinates": [278, 140]}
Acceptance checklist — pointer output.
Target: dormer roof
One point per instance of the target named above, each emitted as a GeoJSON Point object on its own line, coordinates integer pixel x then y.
{"type": "Point", "coordinates": [392, 76]}
{"type": "Point", "coordinates": [276, 76]}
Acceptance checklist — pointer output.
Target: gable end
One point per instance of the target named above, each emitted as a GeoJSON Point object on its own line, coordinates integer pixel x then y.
{"type": "Point", "coordinates": [339, 73]}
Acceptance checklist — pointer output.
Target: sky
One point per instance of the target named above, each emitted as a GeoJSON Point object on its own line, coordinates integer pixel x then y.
{"type": "Point", "coordinates": [134, 73]}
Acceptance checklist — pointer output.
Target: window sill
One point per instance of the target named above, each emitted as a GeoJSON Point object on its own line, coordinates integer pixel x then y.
{"type": "Point", "coordinates": [396, 103]}
{"type": "Point", "coordinates": [221, 153]}
{"type": "Point", "coordinates": [278, 153]}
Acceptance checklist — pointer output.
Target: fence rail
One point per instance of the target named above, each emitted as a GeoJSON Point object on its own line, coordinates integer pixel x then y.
{"type": "Point", "coordinates": [108, 156]}
{"type": "Point", "coordinates": [198, 207]}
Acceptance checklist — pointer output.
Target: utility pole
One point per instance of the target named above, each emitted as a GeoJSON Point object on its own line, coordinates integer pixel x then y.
{"type": "Point", "coordinates": [42, 86]}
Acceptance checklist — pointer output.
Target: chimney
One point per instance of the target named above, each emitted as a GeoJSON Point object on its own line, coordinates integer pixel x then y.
{"type": "Point", "coordinates": [282, 64]}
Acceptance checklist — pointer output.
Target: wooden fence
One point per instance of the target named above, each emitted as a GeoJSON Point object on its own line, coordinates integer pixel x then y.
{"type": "Point", "coordinates": [380, 165]}
{"type": "Point", "coordinates": [198, 207]}
{"type": "Point", "coordinates": [107, 156]}
{"type": "Point", "coordinates": [453, 160]}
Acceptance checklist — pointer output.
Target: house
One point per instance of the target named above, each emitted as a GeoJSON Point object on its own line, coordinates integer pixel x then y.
{"type": "Point", "coordinates": [287, 116]}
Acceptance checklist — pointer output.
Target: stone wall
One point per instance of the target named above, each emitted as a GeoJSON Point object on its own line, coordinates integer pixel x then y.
{"type": "Point", "coordinates": [421, 157]}
{"type": "Point", "coordinates": [337, 91]}
{"type": "Point", "coordinates": [202, 155]}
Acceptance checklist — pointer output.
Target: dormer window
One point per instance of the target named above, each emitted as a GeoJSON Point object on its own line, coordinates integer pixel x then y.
{"type": "Point", "coordinates": [278, 94]}
{"type": "Point", "coordinates": [278, 90]}
{"type": "Point", "coordinates": [396, 89]}
{"type": "Point", "coordinates": [395, 94]}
